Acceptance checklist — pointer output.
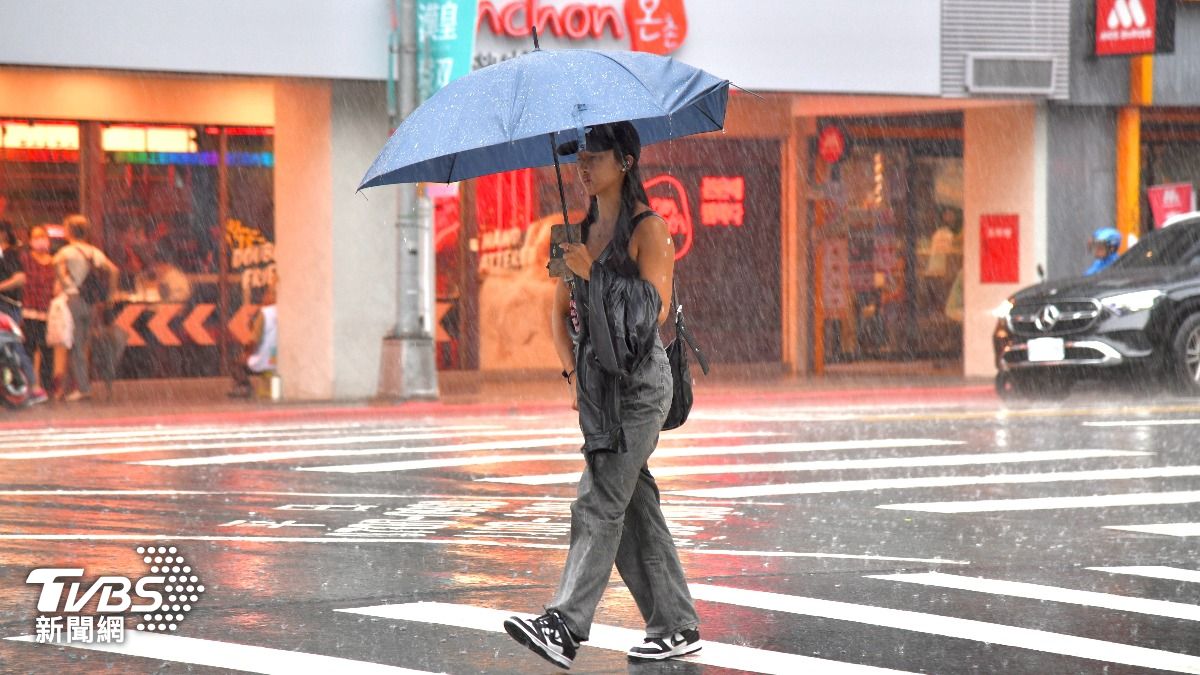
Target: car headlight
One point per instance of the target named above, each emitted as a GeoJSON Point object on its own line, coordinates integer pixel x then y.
{"type": "Point", "coordinates": [1001, 311]}
{"type": "Point", "coordinates": [1128, 303]}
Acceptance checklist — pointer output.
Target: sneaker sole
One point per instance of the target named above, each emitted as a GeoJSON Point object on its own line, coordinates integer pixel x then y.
{"type": "Point", "coordinates": [682, 650]}
{"type": "Point", "coordinates": [518, 632]}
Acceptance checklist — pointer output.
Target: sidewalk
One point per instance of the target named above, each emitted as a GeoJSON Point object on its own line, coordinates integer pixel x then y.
{"type": "Point", "coordinates": [203, 400]}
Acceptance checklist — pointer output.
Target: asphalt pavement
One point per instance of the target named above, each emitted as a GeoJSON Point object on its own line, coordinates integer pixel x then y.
{"type": "Point", "coordinates": [884, 528]}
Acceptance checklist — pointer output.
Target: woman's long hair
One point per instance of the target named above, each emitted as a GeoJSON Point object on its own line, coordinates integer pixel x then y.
{"type": "Point", "coordinates": [632, 194]}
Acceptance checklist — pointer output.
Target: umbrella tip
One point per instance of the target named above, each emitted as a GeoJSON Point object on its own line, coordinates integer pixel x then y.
{"type": "Point", "coordinates": [536, 47]}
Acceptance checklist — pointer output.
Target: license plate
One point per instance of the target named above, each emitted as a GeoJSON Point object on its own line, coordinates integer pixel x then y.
{"type": "Point", "coordinates": [1046, 349]}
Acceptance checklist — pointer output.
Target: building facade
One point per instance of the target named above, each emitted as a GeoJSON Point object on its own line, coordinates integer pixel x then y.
{"type": "Point", "coordinates": [898, 171]}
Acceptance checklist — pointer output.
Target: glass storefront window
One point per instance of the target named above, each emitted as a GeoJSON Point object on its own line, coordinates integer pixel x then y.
{"type": "Point", "coordinates": [39, 171]}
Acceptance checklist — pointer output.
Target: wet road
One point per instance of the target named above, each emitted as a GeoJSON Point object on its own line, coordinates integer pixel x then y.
{"type": "Point", "coordinates": [938, 536]}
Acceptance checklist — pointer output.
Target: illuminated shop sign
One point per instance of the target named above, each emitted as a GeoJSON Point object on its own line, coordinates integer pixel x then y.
{"type": "Point", "coordinates": [722, 201]}
{"type": "Point", "coordinates": [1125, 27]}
{"type": "Point", "coordinates": [668, 199]}
{"type": "Point", "coordinates": [655, 26]}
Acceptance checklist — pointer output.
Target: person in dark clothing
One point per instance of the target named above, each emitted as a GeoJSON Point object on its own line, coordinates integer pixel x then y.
{"type": "Point", "coordinates": [12, 284]}
{"type": "Point", "coordinates": [616, 517]}
{"type": "Point", "coordinates": [39, 290]}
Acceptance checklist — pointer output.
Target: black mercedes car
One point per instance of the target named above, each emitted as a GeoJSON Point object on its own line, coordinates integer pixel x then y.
{"type": "Point", "coordinates": [1139, 318]}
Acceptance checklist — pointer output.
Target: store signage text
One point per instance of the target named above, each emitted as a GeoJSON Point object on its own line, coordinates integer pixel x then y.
{"type": "Point", "coordinates": [1125, 27]}
{"type": "Point", "coordinates": [668, 199]}
{"type": "Point", "coordinates": [722, 201]}
{"type": "Point", "coordinates": [831, 144]}
{"type": "Point", "coordinates": [999, 248]}
{"type": "Point", "coordinates": [656, 26]}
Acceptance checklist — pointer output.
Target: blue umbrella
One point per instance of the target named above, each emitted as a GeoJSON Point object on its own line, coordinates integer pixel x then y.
{"type": "Point", "coordinates": [513, 114]}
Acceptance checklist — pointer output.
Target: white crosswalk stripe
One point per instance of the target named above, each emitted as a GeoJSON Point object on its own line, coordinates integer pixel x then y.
{"type": "Point", "coordinates": [1174, 610]}
{"type": "Point", "coordinates": [664, 452]}
{"type": "Point", "coordinates": [834, 465]}
{"type": "Point", "coordinates": [246, 658]}
{"type": "Point", "coordinates": [571, 440]}
{"type": "Point", "coordinates": [967, 629]}
{"type": "Point", "coordinates": [1168, 529]}
{"type": "Point", "coordinates": [939, 481]}
{"type": "Point", "coordinates": [612, 638]}
{"type": "Point", "coordinates": [1051, 503]}
{"type": "Point", "coordinates": [1155, 572]}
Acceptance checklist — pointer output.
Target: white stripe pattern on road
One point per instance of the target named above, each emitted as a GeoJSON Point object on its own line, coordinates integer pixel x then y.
{"type": "Point", "coordinates": [1155, 572]}
{"type": "Point", "coordinates": [613, 638]}
{"type": "Point", "coordinates": [940, 481]}
{"type": "Point", "coordinates": [572, 440]}
{"type": "Point", "coordinates": [325, 441]}
{"type": "Point", "coordinates": [837, 465]}
{"type": "Point", "coordinates": [1016, 589]}
{"type": "Point", "coordinates": [1168, 529]}
{"type": "Point", "coordinates": [1051, 503]}
{"type": "Point", "coordinates": [169, 435]}
{"type": "Point", "coordinates": [966, 629]}
{"type": "Point", "coordinates": [216, 654]}
{"type": "Point", "coordinates": [1143, 423]}
{"type": "Point", "coordinates": [447, 542]}
{"type": "Point", "coordinates": [697, 451]}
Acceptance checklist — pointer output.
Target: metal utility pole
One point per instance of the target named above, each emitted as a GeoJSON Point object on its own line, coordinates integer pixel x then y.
{"type": "Point", "coordinates": [408, 370]}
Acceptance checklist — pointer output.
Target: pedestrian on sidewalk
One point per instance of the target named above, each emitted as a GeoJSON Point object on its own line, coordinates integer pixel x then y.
{"type": "Point", "coordinates": [74, 264]}
{"type": "Point", "coordinates": [12, 285]}
{"type": "Point", "coordinates": [39, 290]}
{"type": "Point", "coordinates": [259, 354]}
{"type": "Point", "coordinates": [626, 263]}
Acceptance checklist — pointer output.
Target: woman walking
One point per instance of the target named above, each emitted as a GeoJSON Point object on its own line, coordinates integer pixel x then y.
{"type": "Point", "coordinates": [626, 265]}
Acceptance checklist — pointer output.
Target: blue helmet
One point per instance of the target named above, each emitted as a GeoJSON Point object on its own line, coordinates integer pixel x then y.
{"type": "Point", "coordinates": [1107, 235]}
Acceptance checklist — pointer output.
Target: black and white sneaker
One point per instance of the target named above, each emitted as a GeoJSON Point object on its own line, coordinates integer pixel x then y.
{"type": "Point", "coordinates": [683, 642]}
{"type": "Point", "coordinates": [547, 636]}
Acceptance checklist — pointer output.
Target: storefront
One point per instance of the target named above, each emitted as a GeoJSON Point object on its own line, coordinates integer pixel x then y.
{"type": "Point", "coordinates": [887, 232]}
{"type": "Point", "coordinates": [156, 195]}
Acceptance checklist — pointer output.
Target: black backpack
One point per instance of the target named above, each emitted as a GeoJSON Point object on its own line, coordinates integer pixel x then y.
{"type": "Point", "coordinates": [94, 289]}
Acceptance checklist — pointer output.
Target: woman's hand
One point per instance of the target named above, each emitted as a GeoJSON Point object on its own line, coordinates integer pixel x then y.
{"type": "Point", "coordinates": [579, 260]}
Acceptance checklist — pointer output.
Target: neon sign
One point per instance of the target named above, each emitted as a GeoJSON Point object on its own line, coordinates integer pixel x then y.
{"type": "Point", "coordinates": [669, 200]}
{"type": "Point", "coordinates": [722, 201]}
{"type": "Point", "coordinates": [655, 26]}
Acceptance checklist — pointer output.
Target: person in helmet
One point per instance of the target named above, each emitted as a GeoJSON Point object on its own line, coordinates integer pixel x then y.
{"type": "Point", "coordinates": [1105, 242]}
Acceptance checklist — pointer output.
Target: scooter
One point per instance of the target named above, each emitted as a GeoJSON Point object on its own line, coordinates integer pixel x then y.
{"type": "Point", "coordinates": [14, 386]}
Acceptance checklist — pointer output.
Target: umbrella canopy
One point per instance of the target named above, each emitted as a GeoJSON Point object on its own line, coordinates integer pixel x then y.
{"type": "Point", "coordinates": [502, 117]}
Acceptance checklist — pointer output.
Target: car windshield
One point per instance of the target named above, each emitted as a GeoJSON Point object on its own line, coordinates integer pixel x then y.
{"type": "Point", "coordinates": [1173, 245]}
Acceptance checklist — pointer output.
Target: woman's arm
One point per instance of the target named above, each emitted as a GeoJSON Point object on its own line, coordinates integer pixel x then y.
{"type": "Point", "coordinates": [654, 250]}
{"type": "Point", "coordinates": [560, 314]}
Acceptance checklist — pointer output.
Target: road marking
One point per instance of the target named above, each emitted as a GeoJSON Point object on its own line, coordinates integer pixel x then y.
{"type": "Point", "coordinates": [614, 638]}
{"type": "Point", "coordinates": [966, 629]}
{"type": "Point", "coordinates": [251, 457]}
{"type": "Point", "coordinates": [1016, 589]}
{"type": "Point", "coordinates": [573, 440]}
{"type": "Point", "coordinates": [695, 451]}
{"type": "Point", "coordinates": [1047, 503]}
{"type": "Point", "coordinates": [346, 495]}
{"type": "Point", "coordinates": [1143, 423]}
{"type": "Point", "coordinates": [941, 481]}
{"type": "Point", "coordinates": [282, 443]}
{"type": "Point", "coordinates": [1169, 529]}
{"type": "Point", "coordinates": [848, 556]}
{"type": "Point", "coordinates": [839, 464]}
{"type": "Point", "coordinates": [445, 542]}
{"type": "Point", "coordinates": [162, 437]}
{"type": "Point", "coordinates": [216, 654]}
{"type": "Point", "coordinates": [1155, 572]}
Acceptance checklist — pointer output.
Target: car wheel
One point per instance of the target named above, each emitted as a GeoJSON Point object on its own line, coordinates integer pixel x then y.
{"type": "Point", "coordinates": [1185, 354]}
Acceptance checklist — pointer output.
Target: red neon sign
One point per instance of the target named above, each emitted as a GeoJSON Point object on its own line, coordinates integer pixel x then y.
{"type": "Point", "coordinates": [655, 26]}
{"type": "Point", "coordinates": [575, 21]}
{"type": "Point", "coordinates": [723, 201]}
{"type": "Point", "coordinates": [669, 200]}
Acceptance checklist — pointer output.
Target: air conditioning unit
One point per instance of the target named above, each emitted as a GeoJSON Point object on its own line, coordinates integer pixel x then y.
{"type": "Point", "coordinates": [1010, 73]}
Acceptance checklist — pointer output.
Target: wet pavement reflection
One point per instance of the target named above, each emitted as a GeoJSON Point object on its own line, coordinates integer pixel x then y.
{"type": "Point", "coordinates": [928, 536]}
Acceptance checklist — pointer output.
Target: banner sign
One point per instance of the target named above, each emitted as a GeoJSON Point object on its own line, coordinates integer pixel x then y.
{"type": "Point", "coordinates": [999, 249]}
{"type": "Point", "coordinates": [1125, 27]}
{"type": "Point", "coordinates": [445, 42]}
{"type": "Point", "coordinates": [1170, 200]}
